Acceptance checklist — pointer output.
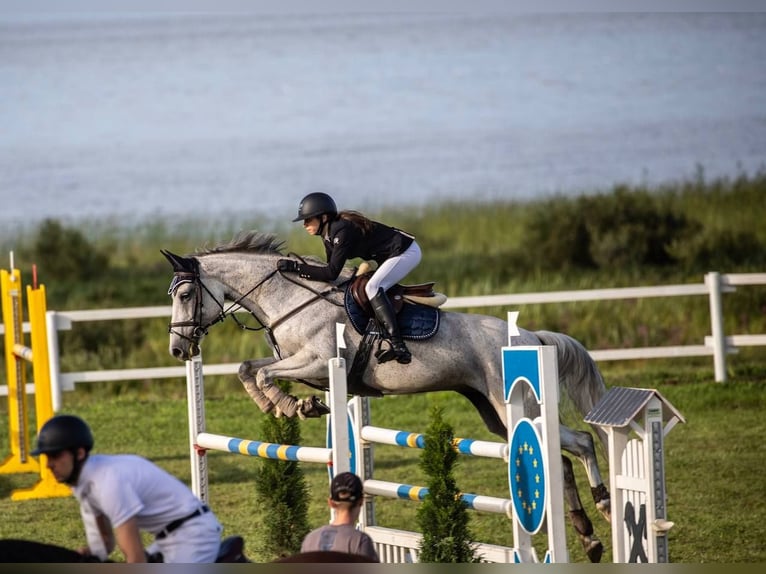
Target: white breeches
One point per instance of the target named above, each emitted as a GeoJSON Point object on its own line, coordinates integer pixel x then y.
{"type": "Point", "coordinates": [393, 270]}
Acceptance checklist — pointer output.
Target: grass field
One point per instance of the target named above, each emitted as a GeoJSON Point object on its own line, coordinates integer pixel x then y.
{"type": "Point", "coordinates": [715, 485]}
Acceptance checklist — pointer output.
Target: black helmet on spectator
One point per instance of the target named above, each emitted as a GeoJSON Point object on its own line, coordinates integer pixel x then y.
{"type": "Point", "coordinates": [63, 432]}
{"type": "Point", "coordinates": [316, 204]}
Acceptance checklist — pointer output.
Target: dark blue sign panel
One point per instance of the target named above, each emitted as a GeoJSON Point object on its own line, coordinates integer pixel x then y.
{"type": "Point", "coordinates": [526, 476]}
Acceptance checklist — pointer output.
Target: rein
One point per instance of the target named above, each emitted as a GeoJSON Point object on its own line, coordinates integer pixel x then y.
{"type": "Point", "coordinates": [324, 295]}
{"type": "Point", "coordinates": [201, 330]}
{"type": "Point", "coordinates": [317, 295]}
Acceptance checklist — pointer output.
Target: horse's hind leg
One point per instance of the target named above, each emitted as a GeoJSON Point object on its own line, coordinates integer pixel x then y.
{"type": "Point", "coordinates": [580, 444]}
{"type": "Point", "coordinates": [582, 524]}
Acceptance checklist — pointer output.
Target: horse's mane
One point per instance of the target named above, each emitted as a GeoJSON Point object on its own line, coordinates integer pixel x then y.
{"type": "Point", "coordinates": [247, 242]}
{"type": "Point", "coordinates": [259, 243]}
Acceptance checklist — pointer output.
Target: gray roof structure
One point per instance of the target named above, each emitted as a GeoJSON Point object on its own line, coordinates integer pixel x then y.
{"type": "Point", "coordinates": [620, 405]}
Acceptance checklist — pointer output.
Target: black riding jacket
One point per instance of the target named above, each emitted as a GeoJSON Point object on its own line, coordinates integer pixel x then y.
{"type": "Point", "coordinates": [344, 240]}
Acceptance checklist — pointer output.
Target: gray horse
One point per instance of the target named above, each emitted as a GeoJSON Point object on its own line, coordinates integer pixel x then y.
{"type": "Point", "coordinates": [299, 316]}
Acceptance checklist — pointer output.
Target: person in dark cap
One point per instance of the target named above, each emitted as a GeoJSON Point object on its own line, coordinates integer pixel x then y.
{"type": "Point", "coordinates": [341, 535]}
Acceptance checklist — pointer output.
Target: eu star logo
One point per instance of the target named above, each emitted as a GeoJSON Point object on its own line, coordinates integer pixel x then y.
{"type": "Point", "coordinates": [526, 476]}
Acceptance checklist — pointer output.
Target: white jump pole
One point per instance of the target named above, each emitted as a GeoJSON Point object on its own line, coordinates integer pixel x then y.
{"type": "Point", "coordinates": [338, 435]}
{"type": "Point", "coordinates": [534, 465]}
{"type": "Point", "coordinates": [195, 398]}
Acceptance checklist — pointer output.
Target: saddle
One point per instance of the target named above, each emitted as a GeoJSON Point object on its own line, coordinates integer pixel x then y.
{"type": "Point", "coordinates": [421, 294]}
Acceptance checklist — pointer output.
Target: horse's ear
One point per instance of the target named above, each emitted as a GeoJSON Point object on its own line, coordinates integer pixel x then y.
{"type": "Point", "coordinates": [179, 263]}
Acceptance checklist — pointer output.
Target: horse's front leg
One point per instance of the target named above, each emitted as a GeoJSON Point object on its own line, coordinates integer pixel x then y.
{"type": "Point", "coordinates": [274, 399]}
{"type": "Point", "coordinates": [580, 444]}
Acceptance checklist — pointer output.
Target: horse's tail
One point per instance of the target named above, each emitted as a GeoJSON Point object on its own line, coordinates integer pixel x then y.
{"type": "Point", "coordinates": [579, 375]}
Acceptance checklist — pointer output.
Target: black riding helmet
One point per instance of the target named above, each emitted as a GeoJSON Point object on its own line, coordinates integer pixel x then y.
{"type": "Point", "coordinates": [316, 204]}
{"type": "Point", "coordinates": [63, 432]}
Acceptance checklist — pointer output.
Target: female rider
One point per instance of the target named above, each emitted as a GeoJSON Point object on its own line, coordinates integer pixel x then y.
{"type": "Point", "coordinates": [347, 235]}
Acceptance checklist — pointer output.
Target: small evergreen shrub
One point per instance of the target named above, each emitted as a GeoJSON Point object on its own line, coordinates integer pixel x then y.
{"type": "Point", "coordinates": [443, 516]}
{"type": "Point", "coordinates": [281, 492]}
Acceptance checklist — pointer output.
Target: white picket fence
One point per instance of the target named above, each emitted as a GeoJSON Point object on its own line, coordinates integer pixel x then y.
{"type": "Point", "coordinates": [718, 344]}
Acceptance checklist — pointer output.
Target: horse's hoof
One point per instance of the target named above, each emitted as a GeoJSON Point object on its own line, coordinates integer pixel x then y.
{"type": "Point", "coordinates": [595, 551]}
{"type": "Point", "coordinates": [312, 408]}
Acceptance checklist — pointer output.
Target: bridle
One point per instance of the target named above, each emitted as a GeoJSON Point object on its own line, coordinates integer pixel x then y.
{"type": "Point", "coordinates": [200, 330]}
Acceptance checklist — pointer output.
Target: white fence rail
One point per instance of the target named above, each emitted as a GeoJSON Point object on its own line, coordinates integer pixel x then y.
{"type": "Point", "coordinates": [717, 344]}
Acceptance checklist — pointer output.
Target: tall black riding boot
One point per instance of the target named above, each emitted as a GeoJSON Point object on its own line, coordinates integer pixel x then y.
{"type": "Point", "coordinates": [384, 311]}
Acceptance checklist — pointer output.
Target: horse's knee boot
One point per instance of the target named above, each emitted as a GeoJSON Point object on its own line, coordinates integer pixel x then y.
{"type": "Point", "coordinates": [599, 493]}
{"type": "Point", "coordinates": [260, 399]}
{"type": "Point", "coordinates": [385, 314]}
{"type": "Point", "coordinates": [603, 500]}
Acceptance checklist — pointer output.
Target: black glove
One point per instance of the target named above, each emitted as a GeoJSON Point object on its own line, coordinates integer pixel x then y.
{"type": "Point", "coordinates": [287, 265]}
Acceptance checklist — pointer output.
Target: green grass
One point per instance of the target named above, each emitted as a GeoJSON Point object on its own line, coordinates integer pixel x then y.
{"type": "Point", "coordinates": [714, 481]}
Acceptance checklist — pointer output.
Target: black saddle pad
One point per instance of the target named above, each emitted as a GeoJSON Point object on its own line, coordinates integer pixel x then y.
{"type": "Point", "coordinates": [416, 322]}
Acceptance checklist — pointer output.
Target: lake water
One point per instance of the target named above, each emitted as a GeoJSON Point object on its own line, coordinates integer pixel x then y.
{"type": "Point", "coordinates": [241, 115]}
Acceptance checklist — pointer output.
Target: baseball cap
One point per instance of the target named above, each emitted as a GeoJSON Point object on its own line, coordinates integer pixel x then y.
{"type": "Point", "coordinates": [346, 487]}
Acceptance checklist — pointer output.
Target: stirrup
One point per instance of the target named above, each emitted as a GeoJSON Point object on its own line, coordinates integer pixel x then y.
{"type": "Point", "coordinates": [385, 355]}
{"type": "Point", "coordinates": [400, 353]}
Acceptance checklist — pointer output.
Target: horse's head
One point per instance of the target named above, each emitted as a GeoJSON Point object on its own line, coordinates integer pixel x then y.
{"type": "Point", "coordinates": [196, 306]}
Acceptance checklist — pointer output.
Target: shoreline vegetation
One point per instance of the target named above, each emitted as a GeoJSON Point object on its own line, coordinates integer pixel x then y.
{"type": "Point", "coordinates": [626, 236]}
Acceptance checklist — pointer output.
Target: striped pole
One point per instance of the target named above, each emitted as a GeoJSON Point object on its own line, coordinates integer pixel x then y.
{"type": "Point", "coordinates": [410, 492]}
{"type": "Point", "coordinates": [416, 440]}
{"type": "Point", "coordinates": [264, 449]}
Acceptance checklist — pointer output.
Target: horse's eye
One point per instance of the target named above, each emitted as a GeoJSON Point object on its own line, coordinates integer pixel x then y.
{"type": "Point", "coordinates": [184, 296]}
